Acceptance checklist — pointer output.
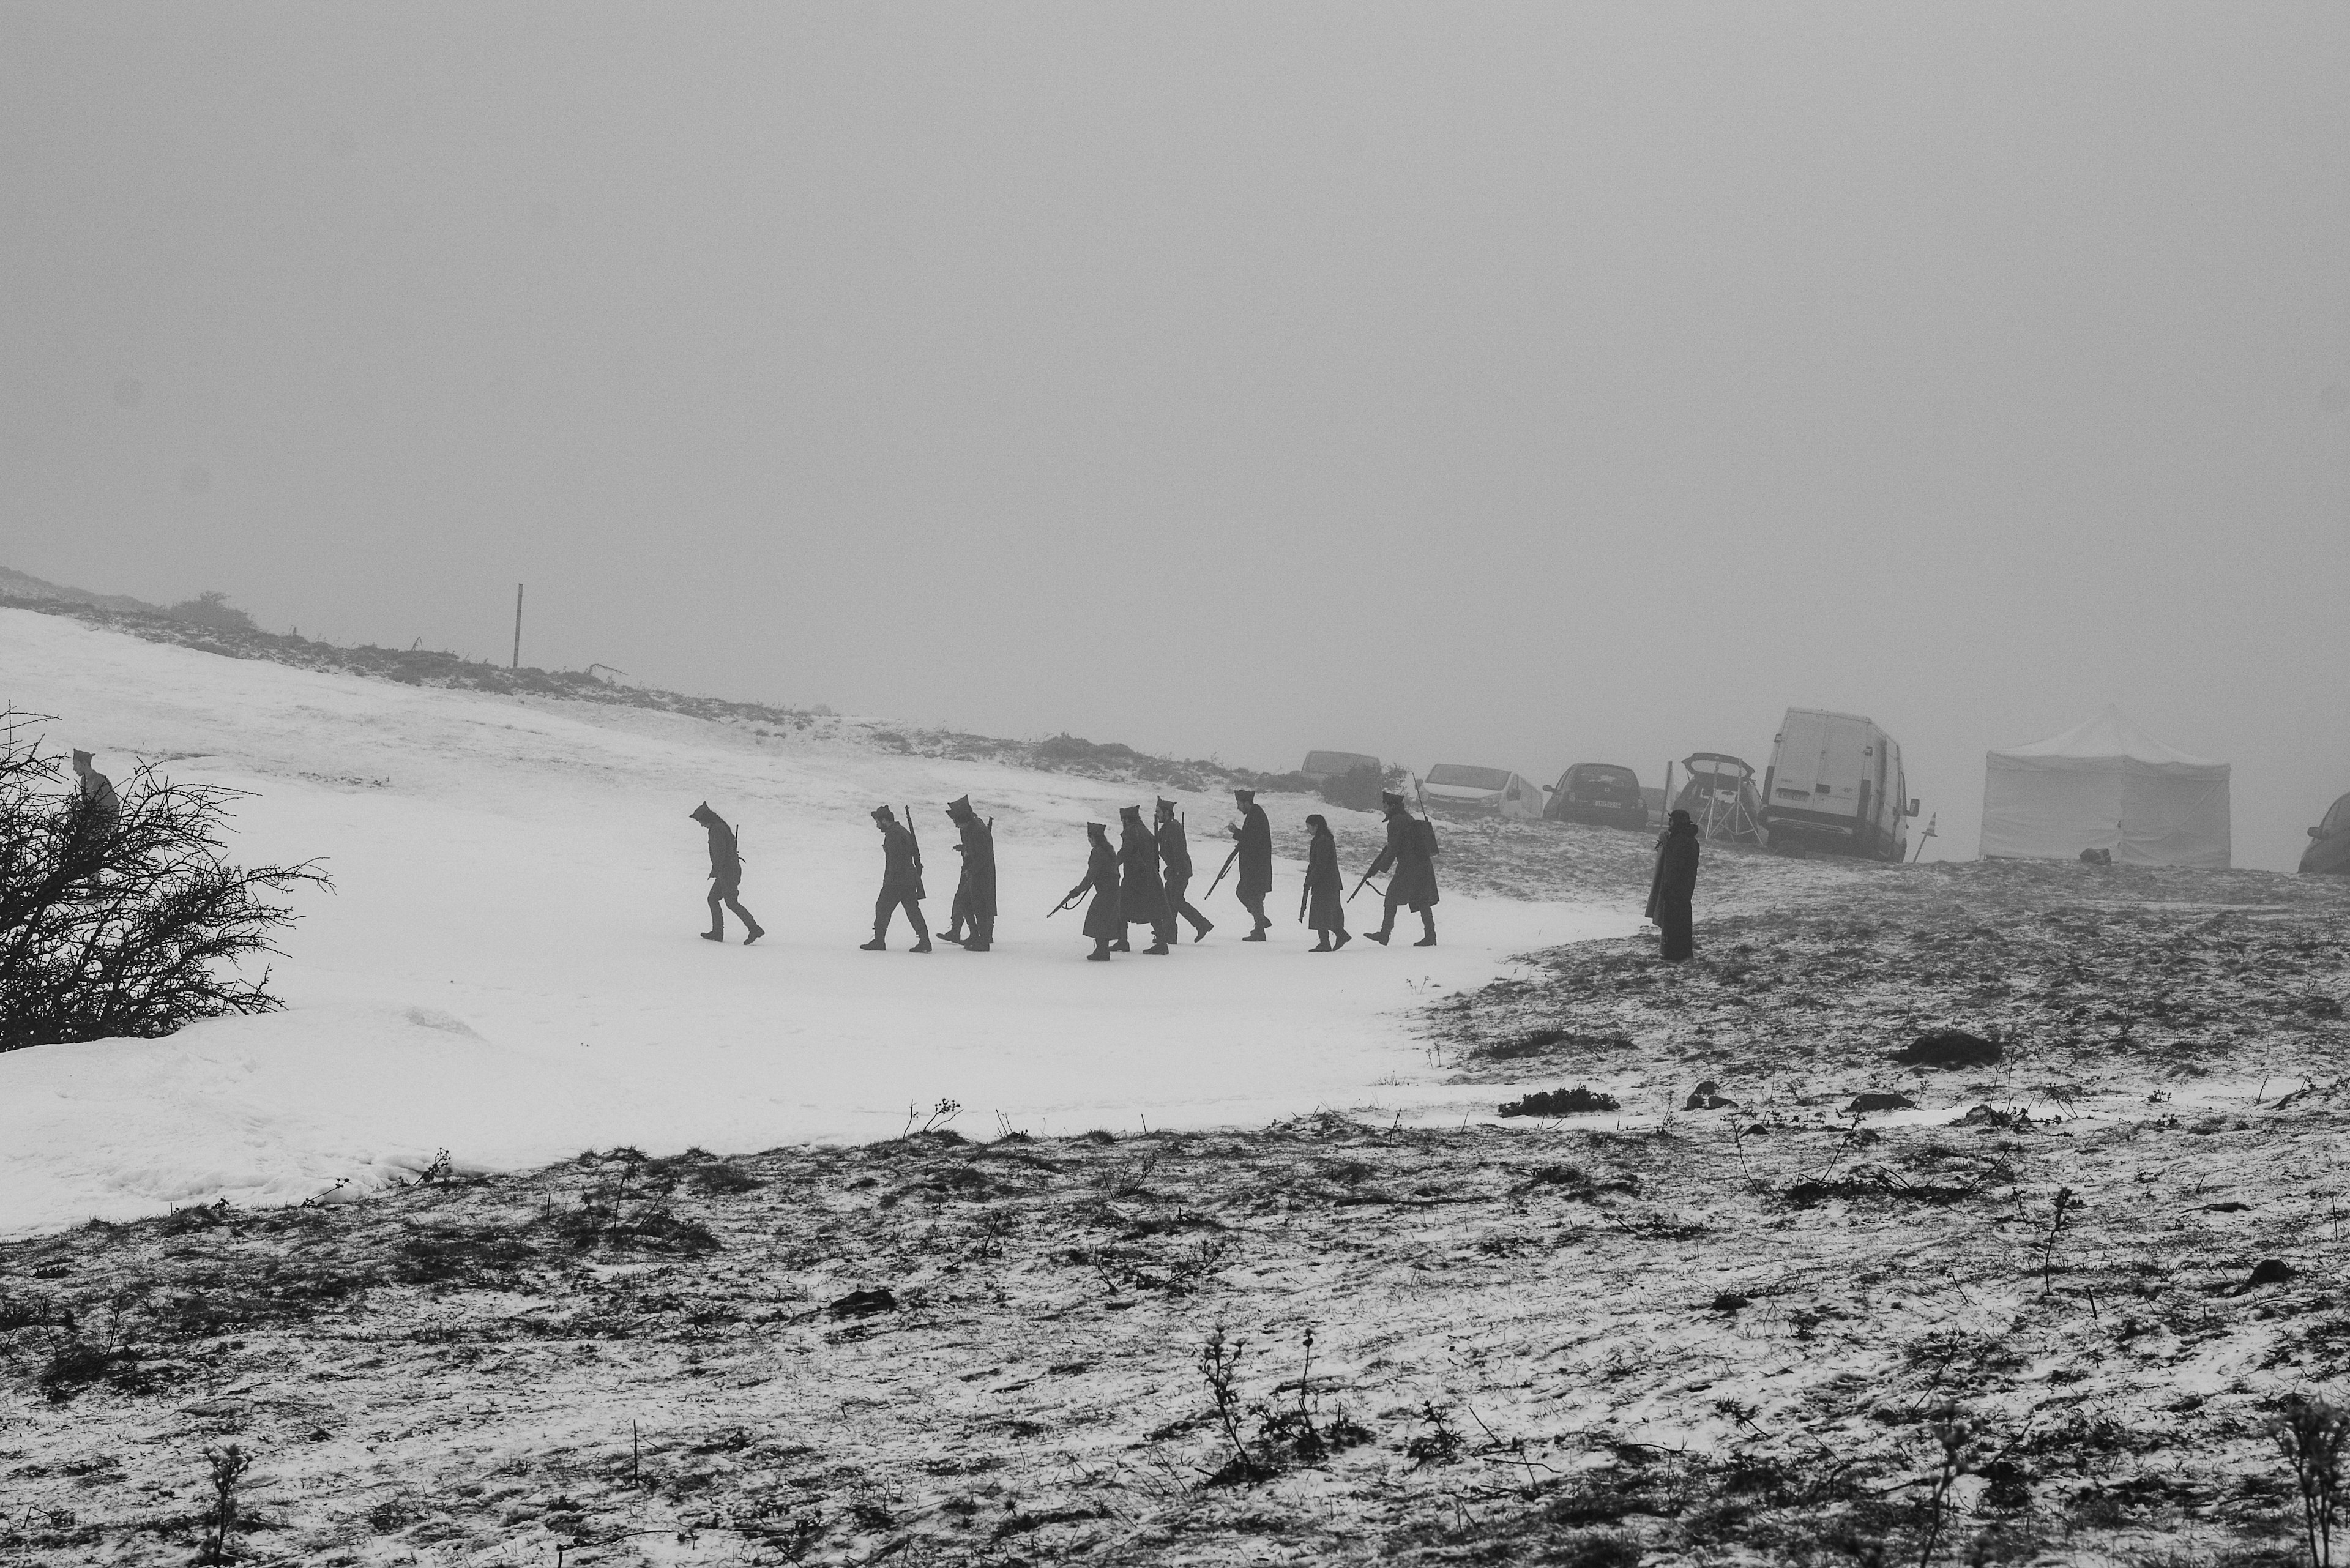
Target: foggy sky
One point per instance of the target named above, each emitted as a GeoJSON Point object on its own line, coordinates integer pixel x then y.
{"type": "Point", "coordinates": [1513, 385]}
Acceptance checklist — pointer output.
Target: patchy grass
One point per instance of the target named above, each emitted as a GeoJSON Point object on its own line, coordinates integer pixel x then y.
{"type": "Point", "coordinates": [1725, 1336]}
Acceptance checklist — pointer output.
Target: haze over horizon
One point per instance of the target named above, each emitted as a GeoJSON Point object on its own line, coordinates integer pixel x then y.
{"type": "Point", "coordinates": [1518, 385]}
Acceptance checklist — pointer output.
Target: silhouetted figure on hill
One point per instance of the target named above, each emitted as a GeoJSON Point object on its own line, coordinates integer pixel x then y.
{"type": "Point", "coordinates": [1140, 894]}
{"type": "Point", "coordinates": [1255, 836]}
{"type": "Point", "coordinates": [98, 811]}
{"type": "Point", "coordinates": [1671, 890]}
{"type": "Point", "coordinates": [974, 905]}
{"type": "Point", "coordinates": [1175, 866]}
{"type": "Point", "coordinates": [1105, 918]}
{"type": "Point", "coordinates": [1326, 888]}
{"type": "Point", "coordinates": [1410, 853]}
{"type": "Point", "coordinates": [902, 885]}
{"type": "Point", "coordinates": [725, 877]}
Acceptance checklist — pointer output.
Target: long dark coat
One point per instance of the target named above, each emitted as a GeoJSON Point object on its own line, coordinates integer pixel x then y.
{"type": "Point", "coordinates": [1140, 892]}
{"type": "Point", "coordinates": [1256, 853]}
{"type": "Point", "coordinates": [1174, 854]}
{"type": "Point", "coordinates": [1103, 919]}
{"type": "Point", "coordinates": [899, 874]}
{"type": "Point", "coordinates": [1325, 884]}
{"type": "Point", "coordinates": [1414, 883]}
{"type": "Point", "coordinates": [978, 887]}
{"type": "Point", "coordinates": [1670, 889]}
{"type": "Point", "coordinates": [725, 859]}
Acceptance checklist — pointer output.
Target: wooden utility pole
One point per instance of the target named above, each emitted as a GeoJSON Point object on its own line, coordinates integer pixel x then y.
{"type": "Point", "coordinates": [517, 652]}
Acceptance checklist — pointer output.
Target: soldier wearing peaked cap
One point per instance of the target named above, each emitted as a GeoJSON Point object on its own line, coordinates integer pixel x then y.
{"type": "Point", "coordinates": [1255, 855]}
{"type": "Point", "coordinates": [901, 884]}
{"type": "Point", "coordinates": [1410, 853]}
{"type": "Point", "coordinates": [1175, 864]}
{"type": "Point", "coordinates": [1105, 919]}
{"type": "Point", "coordinates": [974, 904]}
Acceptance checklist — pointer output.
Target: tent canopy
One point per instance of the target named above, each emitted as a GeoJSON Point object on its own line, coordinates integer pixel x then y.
{"type": "Point", "coordinates": [2106, 785]}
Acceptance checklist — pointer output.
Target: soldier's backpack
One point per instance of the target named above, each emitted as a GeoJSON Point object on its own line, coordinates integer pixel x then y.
{"type": "Point", "coordinates": [1426, 831]}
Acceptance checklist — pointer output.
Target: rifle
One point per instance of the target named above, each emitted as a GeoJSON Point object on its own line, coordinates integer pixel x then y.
{"type": "Point", "coordinates": [1302, 894]}
{"type": "Point", "coordinates": [1068, 901]}
{"type": "Point", "coordinates": [1211, 893]}
{"type": "Point", "coordinates": [1359, 885]}
{"type": "Point", "coordinates": [917, 839]}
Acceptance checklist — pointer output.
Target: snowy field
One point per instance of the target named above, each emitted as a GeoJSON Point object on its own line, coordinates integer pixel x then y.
{"type": "Point", "coordinates": [509, 969]}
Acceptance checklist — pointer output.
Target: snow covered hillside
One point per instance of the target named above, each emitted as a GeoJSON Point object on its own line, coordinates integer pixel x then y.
{"type": "Point", "coordinates": [510, 969]}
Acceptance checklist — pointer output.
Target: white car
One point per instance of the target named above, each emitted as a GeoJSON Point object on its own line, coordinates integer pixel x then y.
{"type": "Point", "coordinates": [1451, 786]}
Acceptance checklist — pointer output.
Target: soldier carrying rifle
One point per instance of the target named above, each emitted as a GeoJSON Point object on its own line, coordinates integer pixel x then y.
{"type": "Point", "coordinates": [1411, 852]}
{"type": "Point", "coordinates": [901, 884]}
{"type": "Point", "coordinates": [974, 902]}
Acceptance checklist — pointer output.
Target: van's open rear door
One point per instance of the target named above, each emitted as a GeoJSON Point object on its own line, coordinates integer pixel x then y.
{"type": "Point", "coordinates": [1804, 765]}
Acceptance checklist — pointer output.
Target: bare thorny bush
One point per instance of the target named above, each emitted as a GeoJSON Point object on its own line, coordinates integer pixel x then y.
{"type": "Point", "coordinates": [132, 928]}
{"type": "Point", "coordinates": [2312, 1434]}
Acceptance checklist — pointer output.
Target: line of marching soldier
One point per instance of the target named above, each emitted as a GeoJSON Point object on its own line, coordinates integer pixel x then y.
{"type": "Point", "coordinates": [1142, 880]}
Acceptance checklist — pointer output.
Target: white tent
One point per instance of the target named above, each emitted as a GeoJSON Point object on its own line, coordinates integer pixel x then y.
{"type": "Point", "coordinates": [2104, 785]}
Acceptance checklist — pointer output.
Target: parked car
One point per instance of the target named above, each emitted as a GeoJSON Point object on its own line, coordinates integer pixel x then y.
{"type": "Point", "coordinates": [1450, 786]}
{"type": "Point", "coordinates": [1834, 785]}
{"type": "Point", "coordinates": [2329, 842]}
{"type": "Point", "coordinates": [1600, 793]}
{"type": "Point", "coordinates": [1346, 778]}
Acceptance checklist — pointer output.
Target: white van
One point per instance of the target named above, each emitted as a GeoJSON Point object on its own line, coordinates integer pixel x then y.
{"type": "Point", "coordinates": [1835, 785]}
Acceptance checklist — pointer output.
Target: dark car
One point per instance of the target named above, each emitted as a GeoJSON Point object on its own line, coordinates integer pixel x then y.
{"type": "Point", "coordinates": [1599, 793]}
{"type": "Point", "coordinates": [2329, 842]}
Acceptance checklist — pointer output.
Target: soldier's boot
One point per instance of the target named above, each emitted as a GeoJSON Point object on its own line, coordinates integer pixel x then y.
{"type": "Point", "coordinates": [1426, 924]}
{"type": "Point", "coordinates": [1121, 946]}
{"type": "Point", "coordinates": [983, 936]}
{"type": "Point", "coordinates": [1101, 951]}
{"type": "Point", "coordinates": [756, 933]}
{"type": "Point", "coordinates": [1343, 939]}
{"type": "Point", "coordinates": [713, 936]}
{"type": "Point", "coordinates": [881, 942]}
{"type": "Point", "coordinates": [1322, 944]}
{"type": "Point", "coordinates": [1156, 950]}
{"type": "Point", "coordinates": [922, 931]}
{"type": "Point", "coordinates": [1200, 926]}
{"type": "Point", "coordinates": [1387, 929]}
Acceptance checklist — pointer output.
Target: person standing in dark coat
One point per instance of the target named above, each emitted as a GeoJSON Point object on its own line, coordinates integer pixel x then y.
{"type": "Point", "coordinates": [725, 877]}
{"type": "Point", "coordinates": [902, 885]}
{"type": "Point", "coordinates": [1325, 888]}
{"type": "Point", "coordinates": [1105, 922]}
{"type": "Point", "coordinates": [1139, 892]}
{"type": "Point", "coordinates": [1670, 889]}
{"type": "Point", "coordinates": [1255, 836]}
{"type": "Point", "coordinates": [1175, 864]}
{"type": "Point", "coordinates": [975, 889]}
{"type": "Point", "coordinates": [98, 811]}
{"type": "Point", "coordinates": [1410, 853]}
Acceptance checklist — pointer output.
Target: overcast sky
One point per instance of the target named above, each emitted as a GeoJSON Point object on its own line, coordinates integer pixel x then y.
{"type": "Point", "coordinates": [1514, 385]}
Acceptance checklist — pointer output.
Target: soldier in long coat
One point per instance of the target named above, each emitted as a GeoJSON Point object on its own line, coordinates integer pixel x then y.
{"type": "Point", "coordinates": [1175, 864]}
{"type": "Point", "coordinates": [1139, 892]}
{"type": "Point", "coordinates": [725, 877]}
{"type": "Point", "coordinates": [902, 885]}
{"type": "Point", "coordinates": [1670, 889]}
{"type": "Point", "coordinates": [1255, 836]}
{"type": "Point", "coordinates": [1325, 888]}
{"type": "Point", "coordinates": [1105, 921]}
{"type": "Point", "coordinates": [1410, 853]}
{"type": "Point", "coordinates": [975, 889]}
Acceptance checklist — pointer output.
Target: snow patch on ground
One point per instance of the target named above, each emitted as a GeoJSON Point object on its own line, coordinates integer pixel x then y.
{"type": "Point", "coordinates": [509, 967]}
